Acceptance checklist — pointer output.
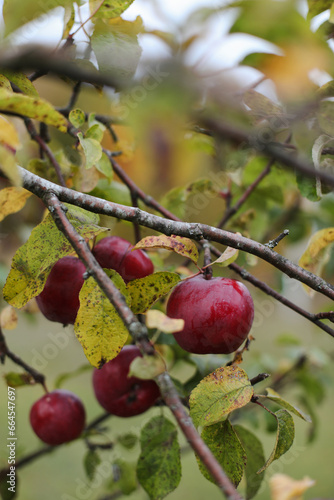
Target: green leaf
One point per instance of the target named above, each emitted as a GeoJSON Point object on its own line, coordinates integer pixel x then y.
{"type": "Point", "coordinates": [128, 441]}
{"type": "Point", "coordinates": [21, 81]}
{"type": "Point", "coordinates": [307, 187]}
{"type": "Point", "coordinates": [325, 117]}
{"type": "Point", "coordinates": [227, 257]}
{"type": "Point", "coordinates": [255, 459]}
{"type": "Point", "coordinates": [103, 165]}
{"type": "Point", "coordinates": [178, 244]}
{"type": "Point", "coordinates": [315, 7]}
{"type": "Point", "coordinates": [261, 107]}
{"type": "Point", "coordinates": [17, 13]}
{"type": "Point", "coordinates": [34, 260]}
{"type": "Point", "coordinates": [145, 291]}
{"type": "Point", "coordinates": [225, 445]}
{"type": "Point", "coordinates": [91, 461]}
{"type": "Point", "coordinates": [274, 396]}
{"type": "Point", "coordinates": [284, 438]}
{"type": "Point", "coordinates": [159, 466]}
{"type": "Point", "coordinates": [92, 150]}
{"type": "Point", "coordinates": [218, 394]}
{"type": "Point", "coordinates": [77, 117]}
{"type": "Point", "coordinates": [147, 367]}
{"type": "Point", "coordinates": [109, 10]}
{"type": "Point", "coordinates": [69, 18]}
{"type": "Point", "coordinates": [32, 107]}
{"type": "Point", "coordinates": [96, 132]}
{"type": "Point", "coordinates": [116, 47]}
{"type": "Point", "coordinates": [175, 201]}
{"type": "Point", "coordinates": [63, 377]}
{"type": "Point", "coordinates": [5, 493]}
{"type": "Point", "coordinates": [126, 476]}
{"type": "Point", "coordinates": [14, 379]}
{"type": "Point", "coordinates": [114, 191]}
{"type": "Point", "coordinates": [5, 83]}
{"type": "Point", "coordinates": [98, 327]}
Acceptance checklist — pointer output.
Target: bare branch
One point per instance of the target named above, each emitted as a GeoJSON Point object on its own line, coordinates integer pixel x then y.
{"type": "Point", "coordinates": [194, 231]}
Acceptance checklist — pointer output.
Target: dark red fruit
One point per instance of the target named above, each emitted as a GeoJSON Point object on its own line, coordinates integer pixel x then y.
{"type": "Point", "coordinates": [115, 253]}
{"type": "Point", "coordinates": [119, 394]}
{"type": "Point", "coordinates": [58, 417]}
{"type": "Point", "coordinates": [59, 300]}
{"type": "Point", "coordinates": [218, 314]}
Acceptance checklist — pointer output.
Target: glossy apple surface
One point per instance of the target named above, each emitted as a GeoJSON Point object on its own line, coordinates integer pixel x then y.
{"type": "Point", "coordinates": [115, 253]}
{"type": "Point", "coordinates": [59, 300]}
{"type": "Point", "coordinates": [58, 417]}
{"type": "Point", "coordinates": [119, 394]}
{"type": "Point", "coordinates": [218, 314]}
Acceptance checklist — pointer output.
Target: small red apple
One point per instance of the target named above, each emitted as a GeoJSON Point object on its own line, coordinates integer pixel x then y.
{"type": "Point", "coordinates": [218, 314]}
{"type": "Point", "coordinates": [58, 417]}
{"type": "Point", "coordinates": [119, 394]}
{"type": "Point", "coordinates": [59, 300]}
{"type": "Point", "coordinates": [115, 253]}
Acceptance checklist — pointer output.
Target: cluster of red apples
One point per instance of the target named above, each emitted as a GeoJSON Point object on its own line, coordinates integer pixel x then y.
{"type": "Point", "coordinates": [217, 313]}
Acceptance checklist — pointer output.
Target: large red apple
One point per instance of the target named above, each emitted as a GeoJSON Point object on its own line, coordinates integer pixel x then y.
{"type": "Point", "coordinates": [218, 314]}
{"type": "Point", "coordinates": [58, 417]}
{"type": "Point", "coordinates": [119, 394]}
{"type": "Point", "coordinates": [59, 300]}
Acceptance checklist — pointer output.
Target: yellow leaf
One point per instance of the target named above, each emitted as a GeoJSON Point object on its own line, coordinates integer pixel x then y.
{"type": "Point", "coordinates": [283, 487]}
{"type": "Point", "coordinates": [9, 165]}
{"type": "Point", "coordinates": [178, 244]}
{"type": "Point", "coordinates": [12, 199]}
{"type": "Point", "coordinates": [317, 253]}
{"type": "Point", "coordinates": [32, 107]}
{"type": "Point", "coordinates": [8, 134]}
{"type": "Point", "coordinates": [8, 318]}
{"type": "Point", "coordinates": [147, 367]}
{"type": "Point", "coordinates": [227, 257]}
{"type": "Point", "coordinates": [98, 327]}
{"type": "Point", "coordinates": [157, 319]}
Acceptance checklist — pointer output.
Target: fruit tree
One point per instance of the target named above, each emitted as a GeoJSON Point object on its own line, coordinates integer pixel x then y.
{"type": "Point", "coordinates": [167, 215]}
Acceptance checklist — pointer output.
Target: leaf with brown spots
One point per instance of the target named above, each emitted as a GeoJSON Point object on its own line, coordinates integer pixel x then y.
{"type": "Point", "coordinates": [218, 394]}
{"type": "Point", "coordinates": [34, 260]}
{"type": "Point", "coordinates": [32, 107]}
{"type": "Point", "coordinates": [225, 445]}
{"type": "Point", "coordinates": [145, 291]}
{"type": "Point", "coordinates": [178, 244]}
{"type": "Point", "coordinates": [98, 326]}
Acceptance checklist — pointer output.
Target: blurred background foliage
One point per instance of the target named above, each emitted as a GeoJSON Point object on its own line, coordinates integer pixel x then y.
{"type": "Point", "coordinates": [280, 91]}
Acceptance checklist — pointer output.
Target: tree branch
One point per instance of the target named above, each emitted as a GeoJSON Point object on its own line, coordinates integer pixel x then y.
{"type": "Point", "coordinates": [139, 333]}
{"type": "Point", "coordinates": [273, 150]}
{"type": "Point", "coordinates": [195, 231]}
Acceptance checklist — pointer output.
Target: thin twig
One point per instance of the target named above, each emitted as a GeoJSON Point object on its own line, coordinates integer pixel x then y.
{"type": "Point", "coordinates": [232, 210]}
{"type": "Point", "coordinates": [6, 352]}
{"type": "Point", "coordinates": [42, 144]}
{"type": "Point", "coordinates": [275, 242]}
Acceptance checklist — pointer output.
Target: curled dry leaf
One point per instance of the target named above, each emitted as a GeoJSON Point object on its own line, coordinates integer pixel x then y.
{"type": "Point", "coordinates": [157, 319]}
{"type": "Point", "coordinates": [8, 318]}
{"type": "Point", "coordinates": [283, 487]}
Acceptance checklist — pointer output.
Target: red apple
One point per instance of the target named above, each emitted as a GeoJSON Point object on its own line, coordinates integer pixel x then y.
{"type": "Point", "coordinates": [115, 253]}
{"type": "Point", "coordinates": [58, 417]}
{"type": "Point", "coordinates": [218, 314]}
{"type": "Point", "coordinates": [119, 394]}
{"type": "Point", "coordinates": [59, 300]}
